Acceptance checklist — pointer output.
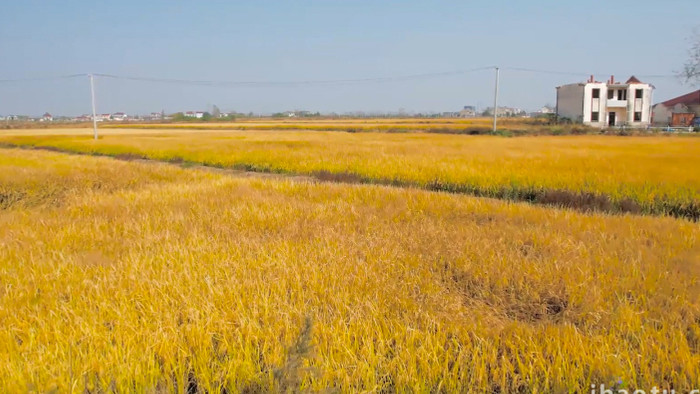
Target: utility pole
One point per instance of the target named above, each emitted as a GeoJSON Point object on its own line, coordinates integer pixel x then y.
{"type": "Point", "coordinates": [495, 100]}
{"type": "Point", "coordinates": [94, 115]}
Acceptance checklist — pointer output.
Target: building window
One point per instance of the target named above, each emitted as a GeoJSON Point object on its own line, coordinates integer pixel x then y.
{"type": "Point", "coordinates": [637, 116]}
{"type": "Point", "coordinates": [611, 94]}
{"type": "Point", "coordinates": [596, 93]}
{"type": "Point", "coordinates": [622, 94]}
{"type": "Point", "coordinates": [595, 116]}
{"type": "Point", "coordinates": [639, 93]}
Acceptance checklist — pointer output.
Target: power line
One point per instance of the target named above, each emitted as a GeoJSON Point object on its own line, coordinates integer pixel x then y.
{"type": "Point", "coordinates": [294, 83]}
{"type": "Point", "coordinates": [538, 71]}
{"type": "Point", "coordinates": [328, 82]}
{"type": "Point", "coordinates": [553, 72]}
{"type": "Point", "coordinates": [658, 76]}
{"type": "Point", "coordinates": [38, 79]}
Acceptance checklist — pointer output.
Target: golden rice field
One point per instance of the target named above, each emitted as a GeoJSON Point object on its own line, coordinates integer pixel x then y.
{"type": "Point", "coordinates": [439, 125]}
{"type": "Point", "coordinates": [649, 174]}
{"type": "Point", "coordinates": [446, 125]}
{"type": "Point", "coordinates": [134, 276]}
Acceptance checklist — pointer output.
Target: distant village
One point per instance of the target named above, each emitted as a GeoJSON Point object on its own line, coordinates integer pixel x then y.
{"type": "Point", "coordinates": [610, 103]}
{"type": "Point", "coordinates": [465, 112]}
{"type": "Point", "coordinates": [116, 117]}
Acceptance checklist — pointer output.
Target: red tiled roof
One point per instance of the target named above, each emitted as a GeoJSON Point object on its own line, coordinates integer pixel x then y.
{"type": "Point", "coordinates": [692, 98]}
{"type": "Point", "coordinates": [633, 79]}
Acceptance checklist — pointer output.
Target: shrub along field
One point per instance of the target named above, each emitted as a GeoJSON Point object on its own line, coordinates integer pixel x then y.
{"type": "Point", "coordinates": [133, 276]}
{"type": "Point", "coordinates": [655, 175]}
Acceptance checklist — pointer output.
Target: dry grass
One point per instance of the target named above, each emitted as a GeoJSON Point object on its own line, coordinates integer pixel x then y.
{"type": "Point", "coordinates": [658, 175]}
{"type": "Point", "coordinates": [202, 281]}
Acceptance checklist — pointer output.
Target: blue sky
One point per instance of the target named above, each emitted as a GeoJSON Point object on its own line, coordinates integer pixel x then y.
{"type": "Point", "coordinates": [310, 40]}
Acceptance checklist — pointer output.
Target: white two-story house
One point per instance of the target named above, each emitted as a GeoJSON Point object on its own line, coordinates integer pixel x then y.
{"type": "Point", "coordinates": [603, 104]}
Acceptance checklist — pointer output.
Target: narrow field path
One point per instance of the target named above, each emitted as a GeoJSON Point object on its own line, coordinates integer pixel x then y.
{"type": "Point", "coordinates": [584, 202]}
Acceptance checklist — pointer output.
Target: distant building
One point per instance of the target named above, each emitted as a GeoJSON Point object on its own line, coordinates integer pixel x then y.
{"type": "Point", "coordinates": [543, 112]}
{"type": "Point", "coordinates": [547, 110]}
{"type": "Point", "coordinates": [468, 111]}
{"type": "Point", "coordinates": [46, 117]}
{"type": "Point", "coordinates": [119, 116]}
{"type": "Point", "coordinates": [298, 114]}
{"type": "Point", "coordinates": [506, 111]}
{"type": "Point", "coordinates": [194, 114]}
{"type": "Point", "coordinates": [608, 103]}
{"type": "Point", "coordinates": [678, 111]}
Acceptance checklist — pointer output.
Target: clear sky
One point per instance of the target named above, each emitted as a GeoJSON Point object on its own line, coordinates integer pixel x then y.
{"type": "Point", "coordinates": [318, 40]}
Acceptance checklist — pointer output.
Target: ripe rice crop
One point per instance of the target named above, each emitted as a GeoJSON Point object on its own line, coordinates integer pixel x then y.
{"type": "Point", "coordinates": [507, 126]}
{"type": "Point", "coordinates": [148, 277]}
{"type": "Point", "coordinates": [391, 125]}
{"type": "Point", "coordinates": [657, 175]}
